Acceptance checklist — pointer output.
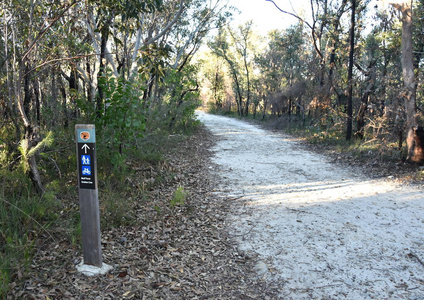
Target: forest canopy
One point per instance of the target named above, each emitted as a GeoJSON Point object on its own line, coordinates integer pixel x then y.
{"type": "Point", "coordinates": [346, 68]}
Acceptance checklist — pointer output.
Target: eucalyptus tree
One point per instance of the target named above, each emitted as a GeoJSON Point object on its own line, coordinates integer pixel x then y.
{"type": "Point", "coordinates": [405, 7]}
{"type": "Point", "coordinates": [418, 45]}
{"type": "Point", "coordinates": [27, 28]}
{"type": "Point", "coordinates": [270, 64]}
{"type": "Point", "coordinates": [284, 63]}
{"type": "Point", "coordinates": [118, 20]}
{"type": "Point", "coordinates": [181, 92]}
{"type": "Point", "coordinates": [350, 70]}
{"type": "Point", "coordinates": [214, 72]}
{"type": "Point", "coordinates": [139, 44]}
{"type": "Point", "coordinates": [378, 78]}
{"type": "Point", "coordinates": [59, 59]}
{"type": "Point", "coordinates": [221, 47]}
{"type": "Point", "coordinates": [235, 47]}
{"type": "Point", "coordinates": [410, 64]}
{"type": "Point", "coordinates": [199, 20]}
{"type": "Point", "coordinates": [242, 45]}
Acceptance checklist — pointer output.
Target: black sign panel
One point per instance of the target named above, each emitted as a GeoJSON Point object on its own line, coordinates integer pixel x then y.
{"type": "Point", "coordinates": [86, 165]}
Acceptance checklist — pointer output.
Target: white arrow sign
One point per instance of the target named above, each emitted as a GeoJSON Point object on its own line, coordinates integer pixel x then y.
{"type": "Point", "coordinates": [85, 148]}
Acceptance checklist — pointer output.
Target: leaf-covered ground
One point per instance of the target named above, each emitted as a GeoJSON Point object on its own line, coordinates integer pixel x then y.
{"type": "Point", "coordinates": [179, 251]}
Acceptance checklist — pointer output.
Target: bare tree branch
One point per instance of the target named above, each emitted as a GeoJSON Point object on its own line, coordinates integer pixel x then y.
{"type": "Point", "coordinates": [291, 14]}
{"type": "Point", "coordinates": [168, 26]}
{"type": "Point", "coordinates": [43, 31]}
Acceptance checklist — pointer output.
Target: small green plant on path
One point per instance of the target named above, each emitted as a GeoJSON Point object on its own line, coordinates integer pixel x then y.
{"type": "Point", "coordinates": [179, 197]}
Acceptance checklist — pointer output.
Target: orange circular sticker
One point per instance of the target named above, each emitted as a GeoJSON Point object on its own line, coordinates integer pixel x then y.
{"type": "Point", "coordinates": [85, 135]}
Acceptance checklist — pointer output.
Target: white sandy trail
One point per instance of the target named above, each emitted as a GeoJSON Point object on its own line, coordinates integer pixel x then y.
{"type": "Point", "coordinates": [322, 231]}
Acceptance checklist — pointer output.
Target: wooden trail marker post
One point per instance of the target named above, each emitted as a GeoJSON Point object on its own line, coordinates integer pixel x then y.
{"type": "Point", "coordinates": [89, 201]}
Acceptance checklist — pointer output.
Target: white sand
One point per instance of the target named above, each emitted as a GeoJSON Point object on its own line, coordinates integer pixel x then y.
{"type": "Point", "coordinates": [322, 231]}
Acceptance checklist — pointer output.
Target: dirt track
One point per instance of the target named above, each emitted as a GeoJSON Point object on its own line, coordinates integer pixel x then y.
{"type": "Point", "coordinates": [323, 231]}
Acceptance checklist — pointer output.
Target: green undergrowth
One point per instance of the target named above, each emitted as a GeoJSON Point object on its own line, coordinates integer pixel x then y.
{"type": "Point", "coordinates": [329, 136]}
{"type": "Point", "coordinates": [24, 216]}
{"type": "Point", "coordinates": [179, 197]}
{"type": "Point", "coordinates": [375, 148]}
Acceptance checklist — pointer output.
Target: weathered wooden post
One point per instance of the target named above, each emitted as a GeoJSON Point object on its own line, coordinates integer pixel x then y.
{"type": "Point", "coordinates": [89, 201]}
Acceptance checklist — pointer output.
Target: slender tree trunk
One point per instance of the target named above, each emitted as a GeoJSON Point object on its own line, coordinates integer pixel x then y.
{"type": "Point", "coordinates": [246, 110]}
{"type": "Point", "coordinates": [88, 84]}
{"type": "Point", "coordinates": [27, 90]}
{"type": "Point", "coordinates": [34, 174]}
{"type": "Point", "coordinates": [350, 73]}
{"type": "Point", "coordinates": [408, 71]}
{"type": "Point", "coordinates": [64, 106]}
{"type": "Point", "coordinates": [148, 92]}
{"type": "Point", "coordinates": [360, 117]}
{"type": "Point", "coordinates": [54, 88]}
{"type": "Point", "coordinates": [239, 97]}
{"type": "Point", "coordinates": [37, 98]}
{"type": "Point", "coordinates": [265, 107]}
{"type": "Point", "coordinates": [408, 78]}
{"type": "Point", "coordinates": [102, 72]}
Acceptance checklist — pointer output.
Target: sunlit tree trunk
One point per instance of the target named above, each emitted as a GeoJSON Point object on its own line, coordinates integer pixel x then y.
{"type": "Point", "coordinates": [29, 140]}
{"type": "Point", "coordinates": [409, 83]}
{"type": "Point", "coordinates": [408, 66]}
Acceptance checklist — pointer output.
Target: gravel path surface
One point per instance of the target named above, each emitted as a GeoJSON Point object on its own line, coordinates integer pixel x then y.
{"type": "Point", "coordinates": [322, 231]}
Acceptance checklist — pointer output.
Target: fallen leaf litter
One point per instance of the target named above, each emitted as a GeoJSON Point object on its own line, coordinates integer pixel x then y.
{"type": "Point", "coordinates": [181, 252]}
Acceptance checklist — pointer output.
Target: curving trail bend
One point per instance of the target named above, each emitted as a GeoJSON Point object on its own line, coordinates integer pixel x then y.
{"type": "Point", "coordinates": [322, 231]}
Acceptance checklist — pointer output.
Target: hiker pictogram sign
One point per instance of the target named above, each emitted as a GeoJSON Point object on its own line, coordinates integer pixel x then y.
{"type": "Point", "coordinates": [86, 148]}
{"type": "Point", "coordinates": [88, 195]}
